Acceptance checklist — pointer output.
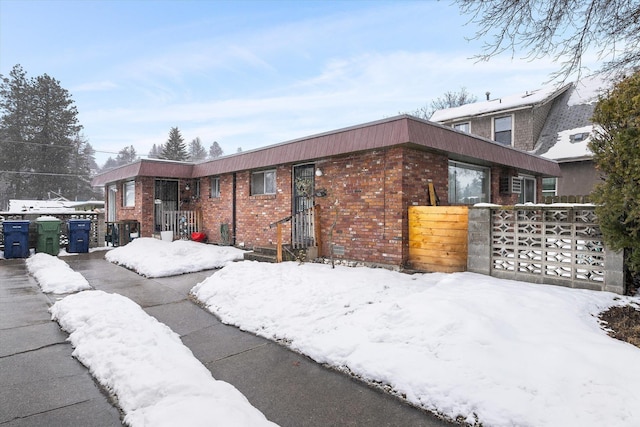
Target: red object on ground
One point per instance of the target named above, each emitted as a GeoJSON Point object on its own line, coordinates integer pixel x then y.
{"type": "Point", "coordinates": [198, 237]}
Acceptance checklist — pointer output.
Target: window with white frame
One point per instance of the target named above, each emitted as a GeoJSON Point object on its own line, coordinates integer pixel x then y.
{"type": "Point", "coordinates": [503, 130]}
{"type": "Point", "coordinates": [549, 186]}
{"type": "Point", "coordinates": [468, 184]}
{"type": "Point", "coordinates": [263, 182]}
{"type": "Point", "coordinates": [215, 186]}
{"type": "Point", "coordinates": [129, 194]}
{"type": "Point", "coordinates": [463, 127]}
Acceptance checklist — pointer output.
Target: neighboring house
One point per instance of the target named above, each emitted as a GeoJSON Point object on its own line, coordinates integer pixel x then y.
{"type": "Point", "coordinates": [362, 178]}
{"type": "Point", "coordinates": [565, 139]}
{"type": "Point", "coordinates": [552, 122]}
{"type": "Point", "coordinates": [57, 205]}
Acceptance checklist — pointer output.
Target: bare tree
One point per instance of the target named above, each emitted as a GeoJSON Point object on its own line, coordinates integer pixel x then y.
{"type": "Point", "coordinates": [564, 29]}
{"type": "Point", "coordinates": [448, 100]}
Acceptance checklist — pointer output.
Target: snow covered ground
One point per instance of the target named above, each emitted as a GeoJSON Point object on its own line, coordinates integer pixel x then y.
{"type": "Point", "coordinates": [157, 258]}
{"type": "Point", "coordinates": [506, 352]}
{"type": "Point", "coordinates": [54, 275]}
{"type": "Point", "coordinates": [157, 380]}
{"type": "Point", "coordinates": [510, 353]}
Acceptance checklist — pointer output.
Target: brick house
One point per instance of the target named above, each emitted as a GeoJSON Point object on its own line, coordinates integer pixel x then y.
{"type": "Point", "coordinates": [362, 179]}
{"type": "Point", "coordinates": [551, 122]}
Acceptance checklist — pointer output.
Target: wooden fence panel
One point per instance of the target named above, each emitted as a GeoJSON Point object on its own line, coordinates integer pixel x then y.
{"type": "Point", "coordinates": [438, 238]}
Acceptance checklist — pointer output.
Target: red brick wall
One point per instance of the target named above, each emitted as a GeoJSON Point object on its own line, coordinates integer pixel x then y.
{"type": "Point", "coordinates": [373, 191]}
{"type": "Point", "coordinates": [129, 212]}
{"type": "Point", "coordinates": [497, 197]}
{"type": "Point", "coordinates": [255, 213]}
{"type": "Point", "coordinates": [143, 211]}
{"type": "Point", "coordinates": [420, 167]}
{"type": "Point", "coordinates": [216, 210]}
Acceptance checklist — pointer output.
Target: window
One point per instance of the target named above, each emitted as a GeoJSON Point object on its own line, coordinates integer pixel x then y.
{"type": "Point", "coordinates": [129, 193]}
{"type": "Point", "coordinates": [263, 182]}
{"type": "Point", "coordinates": [196, 190]}
{"type": "Point", "coordinates": [215, 186]}
{"type": "Point", "coordinates": [502, 128]}
{"type": "Point", "coordinates": [462, 127]}
{"type": "Point", "coordinates": [549, 186]}
{"type": "Point", "coordinates": [528, 193]}
{"type": "Point", "coordinates": [468, 184]}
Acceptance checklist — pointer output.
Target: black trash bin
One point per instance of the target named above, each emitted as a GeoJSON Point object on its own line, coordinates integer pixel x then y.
{"type": "Point", "coordinates": [16, 238]}
{"type": "Point", "coordinates": [79, 235]}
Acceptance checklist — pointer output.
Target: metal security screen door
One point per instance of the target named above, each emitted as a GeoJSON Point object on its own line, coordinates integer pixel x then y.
{"type": "Point", "coordinates": [303, 188]}
{"type": "Point", "coordinates": [166, 196]}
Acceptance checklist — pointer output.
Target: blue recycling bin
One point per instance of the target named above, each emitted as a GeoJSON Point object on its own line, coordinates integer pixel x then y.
{"type": "Point", "coordinates": [79, 235]}
{"type": "Point", "coordinates": [16, 238]}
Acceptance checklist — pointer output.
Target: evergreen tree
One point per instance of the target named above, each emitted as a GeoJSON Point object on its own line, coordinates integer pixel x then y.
{"type": "Point", "coordinates": [40, 133]}
{"type": "Point", "coordinates": [109, 164]}
{"type": "Point", "coordinates": [196, 151]}
{"type": "Point", "coordinates": [616, 153]}
{"type": "Point", "coordinates": [156, 151]}
{"type": "Point", "coordinates": [215, 150]}
{"type": "Point", "coordinates": [14, 151]}
{"type": "Point", "coordinates": [174, 148]}
{"type": "Point", "coordinates": [126, 155]}
{"type": "Point", "coordinates": [85, 166]}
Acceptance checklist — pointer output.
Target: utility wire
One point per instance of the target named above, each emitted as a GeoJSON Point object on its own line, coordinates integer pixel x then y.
{"type": "Point", "coordinates": [8, 141]}
{"type": "Point", "coordinates": [44, 173]}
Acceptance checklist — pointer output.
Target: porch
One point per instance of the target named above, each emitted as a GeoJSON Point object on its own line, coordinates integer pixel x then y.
{"type": "Point", "coordinates": [180, 223]}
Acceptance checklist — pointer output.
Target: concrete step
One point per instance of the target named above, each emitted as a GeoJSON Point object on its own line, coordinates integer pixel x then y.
{"type": "Point", "coordinates": [256, 256]}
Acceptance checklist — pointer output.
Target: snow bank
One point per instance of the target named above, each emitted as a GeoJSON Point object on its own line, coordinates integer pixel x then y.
{"type": "Point", "coordinates": [157, 380]}
{"type": "Point", "coordinates": [156, 258]}
{"type": "Point", "coordinates": [54, 275]}
{"type": "Point", "coordinates": [512, 353]}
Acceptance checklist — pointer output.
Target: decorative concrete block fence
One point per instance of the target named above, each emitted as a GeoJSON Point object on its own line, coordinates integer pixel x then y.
{"type": "Point", "coordinates": [551, 244]}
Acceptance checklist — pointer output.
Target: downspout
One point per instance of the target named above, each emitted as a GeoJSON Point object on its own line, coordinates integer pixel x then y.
{"type": "Point", "coordinates": [233, 211]}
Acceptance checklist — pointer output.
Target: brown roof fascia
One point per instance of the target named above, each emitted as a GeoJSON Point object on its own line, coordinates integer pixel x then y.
{"type": "Point", "coordinates": [145, 167]}
{"type": "Point", "coordinates": [389, 132]}
{"type": "Point", "coordinates": [379, 134]}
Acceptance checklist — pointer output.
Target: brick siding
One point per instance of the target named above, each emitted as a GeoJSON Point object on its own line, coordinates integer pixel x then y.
{"type": "Point", "coordinates": [368, 196]}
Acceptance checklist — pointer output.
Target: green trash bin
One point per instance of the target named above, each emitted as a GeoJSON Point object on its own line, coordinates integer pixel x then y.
{"type": "Point", "coordinates": [48, 235]}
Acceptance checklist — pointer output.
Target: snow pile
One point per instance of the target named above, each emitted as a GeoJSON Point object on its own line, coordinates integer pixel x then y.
{"type": "Point", "coordinates": [157, 380]}
{"type": "Point", "coordinates": [156, 258]}
{"type": "Point", "coordinates": [510, 353]}
{"type": "Point", "coordinates": [54, 275]}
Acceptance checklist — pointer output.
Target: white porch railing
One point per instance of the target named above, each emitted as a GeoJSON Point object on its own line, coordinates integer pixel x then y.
{"type": "Point", "coordinates": [182, 223]}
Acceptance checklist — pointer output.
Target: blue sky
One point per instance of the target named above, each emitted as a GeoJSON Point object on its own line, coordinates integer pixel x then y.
{"type": "Point", "coordinates": [249, 73]}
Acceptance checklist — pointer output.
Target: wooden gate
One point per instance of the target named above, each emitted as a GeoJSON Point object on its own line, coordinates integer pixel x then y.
{"type": "Point", "coordinates": [438, 238]}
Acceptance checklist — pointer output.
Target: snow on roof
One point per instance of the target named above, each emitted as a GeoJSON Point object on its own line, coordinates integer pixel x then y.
{"type": "Point", "coordinates": [505, 103]}
{"type": "Point", "coordinates": [571, 144]}
{"type": "Point", "coordinates": [49, 206]}
{"type": "Point", "coordinates": [587, 90]}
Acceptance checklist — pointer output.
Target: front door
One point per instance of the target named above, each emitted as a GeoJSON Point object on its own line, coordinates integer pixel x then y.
{"type": "Point", "coordinates": [166, 199]}
{"type": "Point", "coordinates": [303, 188]}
